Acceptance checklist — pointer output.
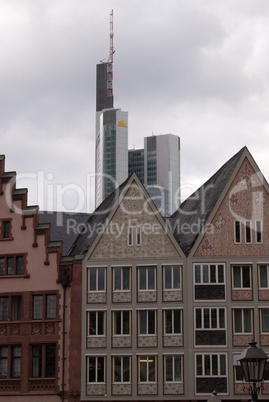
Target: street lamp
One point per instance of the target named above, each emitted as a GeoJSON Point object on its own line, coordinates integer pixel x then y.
{"type": "Point", "coordinates": [253, 361]}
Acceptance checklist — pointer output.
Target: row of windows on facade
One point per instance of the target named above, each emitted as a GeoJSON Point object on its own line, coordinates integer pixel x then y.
{"type": "Point", "coordinates": [204, 274]}
{"type": "Point", "coordinates": [43, 361]}
{"type": "Point", "coordinates": [206, 365]}
{"type": "Point", "coordinates": [43, 307]}
{"type": "Point", "coordinates": [205, 318]}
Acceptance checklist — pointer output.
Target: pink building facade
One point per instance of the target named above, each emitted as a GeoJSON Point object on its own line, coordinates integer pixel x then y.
{"type": "Point", "coordinates": [35, 294]}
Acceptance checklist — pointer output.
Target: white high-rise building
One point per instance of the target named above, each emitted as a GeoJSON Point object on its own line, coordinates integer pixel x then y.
{"type": "Point", "coordinates": [111, 154]}
{"type": "Point", "coordinates": [158, 167]}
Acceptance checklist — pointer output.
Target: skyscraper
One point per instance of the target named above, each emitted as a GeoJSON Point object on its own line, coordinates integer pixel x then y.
{"type": "Point", "coordinates": [158, 167]}
{"type": "Point", "coordinates": [111, 153]}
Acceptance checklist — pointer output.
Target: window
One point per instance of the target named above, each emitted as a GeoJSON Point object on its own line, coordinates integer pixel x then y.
{"type": "Point", "coordinates": [209, 273]}
{"type": "Point", "coordinates": [121, 322]}
{"type": "Point", "coordinates": [248, 231]}
{"type": "Point", "coordinates": [96, 279]}
{"type": "Point", "coordinates": [172, 277]}
{"type": "Point", "coordinates": [264, 319]}
{"type": "Point", "coordinates": [4, 303]}
{"type": "Point", "coordinates": [209, 318]}
{"type": "Point", "coordinates": [11, 265]}
{"type": "Point", "coordinates": [96, 323]}
{"type": "Point", "coordinates": [38, 307]}
{"type": "Point", "coordinates": [3, 361]}
{"type": "Point", "coordinates": [147, 368]}
{"type": "Point", "coordinates": [241, 276]}
{"type": "Point", "coordinates": [50, 306]}
{"type": "Point", "coordinates": [238, 373]}
{"type": "Point", "coordinates": [208, 365]}
{"type": "Point", "coordinates": [147, 322]}
{"type": "Point", "coordinates": [121, 369]}
{"type": "Point", "coordinates": [10, 308]}
{"type": "Point", "coordinates": [121, 278]}
{"type": "Point", "coordinates": [16, 307]}
{"type": "Point", "coordinates": [10, 361]}
{"type": "Point", "coordinates": [258, 231]}
{"type": "Point", "coordinates": [5, 227]}
{"type": "Point", "coordinates": [264, 275]}
{"type": "Point", "coordinates": [146, 278]}
{"type": "Point", "coordinates": [47, 311]}
{"type": "Point", "coordinates": [96, 369]}
{"type": "Point", "coordinates": [134, 236]}
{"type": "Point", "coordinates": [172, 321]}
{"type": "Point", "coordinates": [43, 361]}
{"type": "Point", "coordinates": [243, 320]}
{"type": "Point", "coordinates": [237, 231]}
{"type": "Point", "coordinates": [173, 368]}
{"type": "Point", "coordinates": [16, 362]}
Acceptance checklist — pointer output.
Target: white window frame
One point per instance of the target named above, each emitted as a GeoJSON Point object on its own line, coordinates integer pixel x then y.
{"type": "Point", "coordinates": [96, 280]}
{"type": "Point", "coordinates": [244, 332]}
{"type": "Point", "coordinates": [267, 275]}
{"type": "Point", "coordinates": [173, 356]}
{"type": "Point", "coordinates": [97, 312]}
{"type": "Point", "coordinates": [173, 321]}
{"type": "Point", "coordinates": [203, 309]}
{"type": "Point", "coordinates": [147, 359]}
{"type": "Point", "coordinates": [96, 369]}
{"type": "Point", "coordinates": [147, 323]}
{"type": "Point", "coordinates": [122, 320]}
{"type": "Point", "coordinates": [202, 282]}
{"type": "Point", "coordinates": [122, 369]}
{"type": "Point", "coordinates": [261, 309]}
{"type": "Point", "coordinates": [172, 277]}
{"type": "Point", "coordinates": [250, 266]}
{"type": "Point", "coordinates": [256, 231]}
{"type": "Point", "coordinates": [248, 227]}
{"type": "Point", "coordinates": [121, 279]}
{"type": "Point", "coordinates": [134, 236]}
{"type": "Point", "coordinates": [239, 232]}
{"type": "Point", "coordinates": [210, 355]}
{"type": "Point", "coordinates": [146, 267]}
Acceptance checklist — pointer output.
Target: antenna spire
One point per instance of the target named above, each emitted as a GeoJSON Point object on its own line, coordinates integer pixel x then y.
{"type": "Point", "coordinates": [111, 48]}
{"type": "Point", "coordinates": [110, 60]}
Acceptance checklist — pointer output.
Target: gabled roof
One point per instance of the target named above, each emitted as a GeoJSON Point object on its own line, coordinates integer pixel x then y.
{"type": "Point", "coordinates": [64, 226]}
{"type": "Point", "coordinates": [98, 217]}
{"type": "Point", "coordinates": [188, 221]}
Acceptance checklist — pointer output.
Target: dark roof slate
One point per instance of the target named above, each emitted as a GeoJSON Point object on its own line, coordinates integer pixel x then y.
{"type": "Point", "coordinates": [187, 222]}
{"type": "Point", "coordinates": [65, 226]}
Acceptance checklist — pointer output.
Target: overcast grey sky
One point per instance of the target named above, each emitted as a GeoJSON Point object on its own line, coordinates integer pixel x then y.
{"type": "Point", "coordinates": [195, 68]}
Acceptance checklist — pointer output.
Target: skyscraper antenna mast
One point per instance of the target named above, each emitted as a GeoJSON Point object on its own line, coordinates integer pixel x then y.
{"type": "Point", "coordinates": [111, 48]}
{"type": "Point", "coordinates": [110, 60]}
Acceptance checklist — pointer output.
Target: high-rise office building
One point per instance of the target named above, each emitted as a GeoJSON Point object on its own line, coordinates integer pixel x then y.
{"type": "Point", "coordinates": [158, 167]}
{"type": "Point", "coordinates": [111, 153]}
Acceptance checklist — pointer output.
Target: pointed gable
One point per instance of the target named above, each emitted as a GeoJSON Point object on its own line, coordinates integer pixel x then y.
{"type": "Point", "coordinates": [245, 201]}
{"type": "Point", "coordinates": [189, 220]}
{"type": "Point", "coordinates": [130, 227]}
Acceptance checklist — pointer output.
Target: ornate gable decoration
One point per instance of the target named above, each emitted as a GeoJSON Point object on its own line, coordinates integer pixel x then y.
{"type": "Point", "coordinates": [136, 230]}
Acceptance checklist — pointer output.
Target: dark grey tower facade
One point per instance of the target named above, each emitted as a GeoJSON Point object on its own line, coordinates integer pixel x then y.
{"type": "Point", "coordinates": [104, 94]}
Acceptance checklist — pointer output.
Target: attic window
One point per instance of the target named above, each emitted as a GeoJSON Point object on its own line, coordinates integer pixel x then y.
{"type": "Point", "coordinates": [237, 231]}
{"type": "Point", "coordinates": [134, 236]}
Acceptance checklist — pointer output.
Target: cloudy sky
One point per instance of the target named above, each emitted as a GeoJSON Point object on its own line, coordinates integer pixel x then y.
{"type": "Point", "coordinates": [195, 68]}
